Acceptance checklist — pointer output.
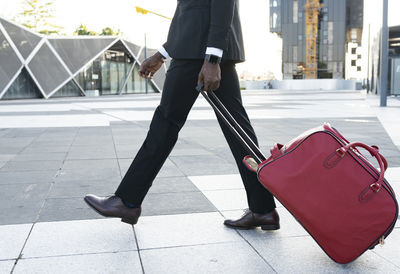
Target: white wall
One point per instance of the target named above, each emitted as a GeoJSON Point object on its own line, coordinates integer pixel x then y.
{"type": "Point", "coordinates": [308, 84]}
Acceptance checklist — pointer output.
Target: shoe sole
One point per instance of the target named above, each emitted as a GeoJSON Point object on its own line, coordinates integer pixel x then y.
{"type": "Point", "coordinates": [124, 220]}
{"type": "Point", "coordinates": [270, 227]}
{"type": "Point", "coordinates": [263, 227]}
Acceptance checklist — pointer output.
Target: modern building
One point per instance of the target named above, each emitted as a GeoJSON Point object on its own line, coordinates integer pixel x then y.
{"type": "Point", "coordinates": [393, 87]}
{"type": "Point", "coordinates": [37, 66]}
{"type": "Point", "coordinates": [338, 39]}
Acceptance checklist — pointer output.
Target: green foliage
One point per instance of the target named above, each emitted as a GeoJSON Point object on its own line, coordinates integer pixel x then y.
{"type": "Point", "coordinates": [110, 32]}
{"type": "Point", "coordinates": [82, 30]}
{"type": "Point", "coordinates": [36, 15]}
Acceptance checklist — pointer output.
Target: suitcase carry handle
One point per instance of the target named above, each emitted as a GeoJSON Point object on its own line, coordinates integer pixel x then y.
{"type": "Point", "coordinates": [232, 124]}
{"type": "Point", "coordinates": [375, 153]}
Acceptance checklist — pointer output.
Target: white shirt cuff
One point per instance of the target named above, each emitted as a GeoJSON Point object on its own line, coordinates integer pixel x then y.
{"type": "Point", "coordinates": [214, 51]}
{"type": "Point", "coordinates": [163, 52]}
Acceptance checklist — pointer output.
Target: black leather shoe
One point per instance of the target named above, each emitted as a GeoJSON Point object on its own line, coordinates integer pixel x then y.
{"type": "Point", "coordinates": [113, 207]}
{"type": "Point", "coordinates": [250, 220]}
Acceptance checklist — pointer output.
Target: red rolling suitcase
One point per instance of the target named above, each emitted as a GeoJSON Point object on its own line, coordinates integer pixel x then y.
{"type": "Point", "coordinates": [324, 181]}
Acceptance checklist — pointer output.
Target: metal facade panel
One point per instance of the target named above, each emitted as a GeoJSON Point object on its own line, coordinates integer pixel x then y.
{"type": "Point", "coordinates": [330, 6]}
{"type": "Point", "coordinates": [134, 48]}
{"type": "Point", "coordinates": [10, 64]}
{"type": "Point", "coordinates": [77, 52]}
{"type": "Point", "coordinates": [149, 53]}
{"type": "Point", "coordinates": [24, 40]}
{"type": "Point", "coordinates": [47, 69]}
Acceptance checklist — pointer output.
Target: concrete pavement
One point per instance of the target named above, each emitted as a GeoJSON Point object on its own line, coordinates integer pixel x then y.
{"type": "Point", "coordinates": [54, 152]}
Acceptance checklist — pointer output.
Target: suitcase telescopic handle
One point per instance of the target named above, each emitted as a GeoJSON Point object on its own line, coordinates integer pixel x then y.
{"type": "Point", "coordinates": [375, 153]}
{"type": "Point", "coordinates": [232, 124]}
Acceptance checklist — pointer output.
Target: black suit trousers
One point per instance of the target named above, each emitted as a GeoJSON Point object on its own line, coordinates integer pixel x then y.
{"type": "Point", "coordinates": [178, 97]}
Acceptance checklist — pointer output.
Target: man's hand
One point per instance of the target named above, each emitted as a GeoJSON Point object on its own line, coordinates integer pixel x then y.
{"type": "Point", "coordinates": [210, 75]}
{"type": "Point", "coordinates": [151, 65]}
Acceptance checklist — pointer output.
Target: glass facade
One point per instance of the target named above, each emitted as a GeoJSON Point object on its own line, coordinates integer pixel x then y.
{"type": "Point", "coordinates": [76, 52]}
{"type": "Point", "coordinates": [109, 72]}
{"type": "Point", "coordinates": [335, 20]}
{"type": "Point", "coordinates": [23, 82]}
{"type": "Point", "coordinates": [69, 66]}
{"type": "Point", "coordinates": [70, 89]}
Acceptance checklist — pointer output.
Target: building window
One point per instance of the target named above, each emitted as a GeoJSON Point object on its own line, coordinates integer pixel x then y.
{"type": "Point", "coordinates": [359, 56]}
{"type": "Point", "coordinates": [353, 63]}
{"type": "Point", "coordinates": [295, 54]}
{"type": "Point", "coordinates": [300, 37]}
{"type": "Point", "coordinates": [353, 50]}
{"type": "Point", "coordinates": [295, 11]}
{"type": "Point", "coordinates": [354, 34]}
{"type": "Point", "coordinates": [330, 32]}
{"type": "Point", "coordinates": [274, 20]}
{"type": "Point", "coordinates": [358, 68]}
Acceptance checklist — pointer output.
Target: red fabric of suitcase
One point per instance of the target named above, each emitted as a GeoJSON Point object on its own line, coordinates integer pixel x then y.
{"type": "Point", "coordinates": [332, 190]}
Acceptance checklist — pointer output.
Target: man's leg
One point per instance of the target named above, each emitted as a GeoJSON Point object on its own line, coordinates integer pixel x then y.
{"type": "Point", "coordinates": [259, 199]}
{"type": "Point", "coordinates": [178, 96]}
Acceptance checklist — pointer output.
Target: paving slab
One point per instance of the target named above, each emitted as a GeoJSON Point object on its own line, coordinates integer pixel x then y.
{"type": "Point", "coordinates": [176, 203]}
{"type": "Point", "coordinates": [6, 266]}
{"type": "Point", "coordinates": [46, 147]}
{"type": "Point", "coordinates": [120, 262]}
{"type": "Point", "coordinates": [391, 249]}
{"type": "Point", "coordinates": [303, 255]}
{"type": "Point", "coordinates": [39, 156]}
{"type": "Point", "coordinates": [227, 199]}
{"type": "Point", "coordinates": [79, 237]}
{"type": "Point", "coordinates": [217, 182]}
{"type": "Point", "coordinates": [90, 164]}
{"type": "Point", "coordinates": [126, 151]}
{"type": "Point", "coordinates": [6, 157]}
{"type": "Point", "coordinates": [90, 174]}
{"type": "Point", "coordinates": [79, 188]}
{"type": "Point", "coordinates": [172, 184]}
{"type": "Point", "coordinates": [59, 209]}
{"type": "Point", "coordinates": [98, 140]}
{"type": "Point", "coordinates": [169, 169]}
{"type": "Point", "coordinates": [236, 257]}
{"type": "Point", "coordinates": [182, 230]}
{"type": "Point", "coordinates": [12, 240]}
{"type": "Point", "coordinates": [26, 202]}
{"type": "Point", "coordinates": [10, 150]}
{"type": "Point", "coordinates": [32, 165]}
{"type": "Point", "coordinates": [203, 164]}
{"type": "Point", "coordinates": [92, 152]}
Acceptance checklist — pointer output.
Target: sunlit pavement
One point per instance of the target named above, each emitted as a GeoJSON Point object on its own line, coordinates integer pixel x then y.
{"type": "Point", "coordinates": [54, 152]}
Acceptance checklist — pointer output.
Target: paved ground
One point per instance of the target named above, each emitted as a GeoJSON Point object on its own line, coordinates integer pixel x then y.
{"type": "Point", "coordinates": [54, 152]}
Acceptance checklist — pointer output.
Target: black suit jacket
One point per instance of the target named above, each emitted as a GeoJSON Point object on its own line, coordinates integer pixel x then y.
{"type": "Point", "coordinates": [198, 24]}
